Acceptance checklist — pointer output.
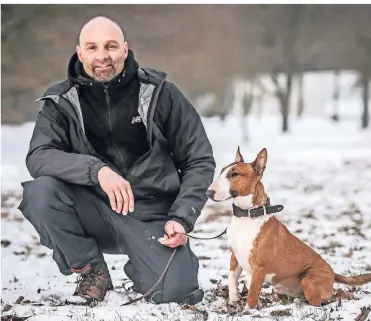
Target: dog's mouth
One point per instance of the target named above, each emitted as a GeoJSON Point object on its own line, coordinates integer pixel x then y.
{"type": "Point", "coordinates": [234, 194]}
{"type": "Point", "coordinates": [223, 200]}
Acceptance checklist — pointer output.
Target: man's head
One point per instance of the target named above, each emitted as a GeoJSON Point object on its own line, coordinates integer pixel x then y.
{"type": "Point", "coordinates": [102, 49]}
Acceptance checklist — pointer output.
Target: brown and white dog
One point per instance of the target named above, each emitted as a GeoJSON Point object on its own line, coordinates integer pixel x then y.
{"type": "Point", "coordinates": [265, 248]}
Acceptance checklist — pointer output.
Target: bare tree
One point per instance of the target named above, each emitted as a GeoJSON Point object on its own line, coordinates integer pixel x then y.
{"type": "Point", "coordinates": [336, 96]}
{"type": "Point", "coordinates": [300, 102]}
{"type": "Point", "coordinates": [283, 29]}
{"type": "Point", "coordinates": [247, 104]}
{"type": "Point", "coordinates": [361, 54]}
{"type": "Point", "coordinates": [365, 81]}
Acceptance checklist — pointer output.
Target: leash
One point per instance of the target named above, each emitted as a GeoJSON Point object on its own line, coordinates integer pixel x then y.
{"type": "Point", "coordinates": [167, 266]}
{"type": "Point", "coordinates": [157, 283]}
{"type": "Point", "coordinates": [204, 238]}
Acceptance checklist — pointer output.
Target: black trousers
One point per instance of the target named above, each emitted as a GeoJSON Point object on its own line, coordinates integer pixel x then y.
{"type": "Point", "coordinates": [79, 227]}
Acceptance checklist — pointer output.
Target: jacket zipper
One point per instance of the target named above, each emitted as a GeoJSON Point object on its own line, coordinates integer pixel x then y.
{"type": "Point", "coordinates": [108, 101]}
{"type": "Point", "coordinates": [149, 117]}
{"type": "Point", "coordinates": [109, 105]}
{"type": "Point", "coordinates": [149, 129]}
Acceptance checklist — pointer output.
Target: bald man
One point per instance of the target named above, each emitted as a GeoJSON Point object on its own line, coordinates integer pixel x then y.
{"type": "Point", "coordinates": [121, 162]}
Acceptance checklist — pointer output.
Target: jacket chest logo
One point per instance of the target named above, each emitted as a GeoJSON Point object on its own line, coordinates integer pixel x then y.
{"type": "Point", "coordinates": [136, 119]}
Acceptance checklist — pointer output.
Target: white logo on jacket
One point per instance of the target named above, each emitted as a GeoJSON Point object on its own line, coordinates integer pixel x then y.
{"type": "Point", "coordinates": [136, 119]}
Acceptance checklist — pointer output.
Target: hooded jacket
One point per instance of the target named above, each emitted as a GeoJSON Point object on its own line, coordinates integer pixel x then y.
{"type": "Point", "coordinates": [110, 111]}
{"type": "Point", "coordinates": [168, 181]}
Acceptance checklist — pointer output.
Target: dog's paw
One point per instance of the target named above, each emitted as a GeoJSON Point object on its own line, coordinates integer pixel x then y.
{"type": "Point", "coordinates": [253, 306]}
{"type": "Point", "coordinates": [233, 298]}
{"type": "Point", "coordinates": [246, 309]}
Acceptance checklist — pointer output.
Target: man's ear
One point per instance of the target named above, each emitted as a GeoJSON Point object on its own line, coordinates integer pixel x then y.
{"type": "Point", "coordinates": [78, 51]}
{"type": "Point", "coordinates": [239, 157]}
{"type": "Point", "coordinates": [126, 49]}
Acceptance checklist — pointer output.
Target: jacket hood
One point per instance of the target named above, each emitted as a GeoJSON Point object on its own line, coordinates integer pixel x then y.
{"type": "Point", "coordinates": [76, 76]}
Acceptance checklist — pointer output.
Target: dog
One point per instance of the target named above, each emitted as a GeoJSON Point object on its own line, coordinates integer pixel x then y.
{"type": "Point", "coordinates": [264, 247]}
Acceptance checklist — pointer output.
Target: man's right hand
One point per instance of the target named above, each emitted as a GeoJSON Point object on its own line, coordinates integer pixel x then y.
{"type": "Point", "coordinates": [118, 190]}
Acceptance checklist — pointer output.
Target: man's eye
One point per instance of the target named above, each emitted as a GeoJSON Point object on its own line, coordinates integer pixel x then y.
{"type": "Point", "coordinates": [234, 174]}
{"type": "Point", "coordinates": [91, 48]}
{"type": "Point", "coordinates": [112, 47]}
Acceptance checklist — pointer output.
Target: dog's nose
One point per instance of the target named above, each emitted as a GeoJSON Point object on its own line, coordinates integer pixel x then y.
{"type": "Point", "coordinates": [210, 193]}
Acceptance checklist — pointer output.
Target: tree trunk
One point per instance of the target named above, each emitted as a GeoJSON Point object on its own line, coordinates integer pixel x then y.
{"type": "Point", "coordinates": [300, 96]}
{"type": "Point", "coordinates": [286, 103]}
{"type": "Point", "coordinates": [247, 103]}
{"type": "Point", "coordinates": [243, 117]}
{"type": "Point", "coordinates": [238, 106]}
{"type": "Point", "coordinates": [335, 97]}
{"type": "Point", "coordinates": [244, 128]}
{"type": "Point", "coordinates": [365, 100]}
{"type": "Point", "coordinates": [259, 97]}
{"type": "Point", "coordinates": [283, 96]}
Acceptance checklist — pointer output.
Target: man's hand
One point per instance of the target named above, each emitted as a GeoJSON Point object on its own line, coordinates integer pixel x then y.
{"type": "Point", "coordinates": [118, 190]}
{"type": "Point", "coordinates": [172, 239]}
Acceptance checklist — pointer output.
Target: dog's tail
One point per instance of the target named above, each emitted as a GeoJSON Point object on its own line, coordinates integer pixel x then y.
{"type": "Point", "coordinates": [353, 280]}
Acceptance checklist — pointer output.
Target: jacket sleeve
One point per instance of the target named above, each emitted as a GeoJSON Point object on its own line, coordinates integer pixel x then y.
{"type": "Point", "coordinates": [193, 155]}
{"type": "Point", "coordinates": [49, 151]}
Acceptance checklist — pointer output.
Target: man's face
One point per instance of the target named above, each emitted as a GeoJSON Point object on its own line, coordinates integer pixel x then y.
{"type": "Point", "coordinates": [102, 51]}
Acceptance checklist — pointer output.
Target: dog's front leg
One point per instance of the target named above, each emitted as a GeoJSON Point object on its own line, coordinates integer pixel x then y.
{"type": "Point", "coordinates": [258, 275]}
{"type": "Point", "coordinates": [233, 276]}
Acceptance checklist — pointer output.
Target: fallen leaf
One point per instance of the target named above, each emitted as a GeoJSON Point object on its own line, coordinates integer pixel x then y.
{"type": "Point", "coordinates": [202, 257]}
{"type": "Point", "coordinates": [345, 295]}
{"type": "Point", "coordinates": [281, 313]}
{"type": "Point", "coordinates": [5, 243]}
{"type": "Point", "coordinates": [364, 314]}
{"type": "Point", "coordinates": [6, 307]}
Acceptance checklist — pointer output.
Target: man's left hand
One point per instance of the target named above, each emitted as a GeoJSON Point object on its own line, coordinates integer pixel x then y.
{"type": "Point", "coordinates": [171, 238]}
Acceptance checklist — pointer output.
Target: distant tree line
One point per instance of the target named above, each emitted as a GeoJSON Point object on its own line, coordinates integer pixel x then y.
{"type": "Point", "coordinates": [223, 43]}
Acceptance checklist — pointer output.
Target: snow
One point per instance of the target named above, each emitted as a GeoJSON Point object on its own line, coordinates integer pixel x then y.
{"type": "Point", "coordinates": [319, 171]}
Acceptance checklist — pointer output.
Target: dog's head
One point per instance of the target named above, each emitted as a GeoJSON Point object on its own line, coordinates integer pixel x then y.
{"type": "Point", "coordinates": [238, 178]}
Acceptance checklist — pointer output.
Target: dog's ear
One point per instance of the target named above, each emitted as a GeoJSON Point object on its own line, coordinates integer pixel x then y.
{"type": "Point", "coordinates": [260, 162]}
{"type": "Point", "coordinates": [239, 157]}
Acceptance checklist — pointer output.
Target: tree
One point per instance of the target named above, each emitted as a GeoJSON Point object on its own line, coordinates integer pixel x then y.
{"type": "Point", "coordinates": [361, 54]}
{"type": "Point", "coordinates": [283, 29]}
{"type": "Point", "coordinates": [300, 102]}
{"type": "Point", "coordinates": [336, 96]}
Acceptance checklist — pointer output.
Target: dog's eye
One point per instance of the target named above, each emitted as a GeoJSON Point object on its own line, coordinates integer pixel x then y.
{"type": "Point", "coordinates": [234, 174]}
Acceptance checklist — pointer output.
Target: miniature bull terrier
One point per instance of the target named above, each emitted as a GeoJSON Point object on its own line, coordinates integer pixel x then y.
{"type": "Point", "coordinates": [263, 246]}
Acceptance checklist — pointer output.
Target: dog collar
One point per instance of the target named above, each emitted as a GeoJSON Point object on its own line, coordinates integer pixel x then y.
{"type": "Point", "coordinates": [257, 211]}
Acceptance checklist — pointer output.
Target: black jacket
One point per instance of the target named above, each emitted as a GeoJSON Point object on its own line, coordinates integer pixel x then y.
{"type": "Point", "coordinates": [113, 125]}
{"type": "Point", "coordinates": [170, 179]}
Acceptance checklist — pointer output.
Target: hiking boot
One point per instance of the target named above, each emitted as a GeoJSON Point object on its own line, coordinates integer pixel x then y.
{"type": "Point", "coordinates": [93, 282]}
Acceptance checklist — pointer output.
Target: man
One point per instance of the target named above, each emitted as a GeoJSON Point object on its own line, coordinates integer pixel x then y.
{"type": "Point", "coordinates": [120, 160]}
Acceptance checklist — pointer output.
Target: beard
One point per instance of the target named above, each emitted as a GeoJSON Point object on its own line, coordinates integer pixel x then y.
{"type": "Point", "coordinates": [105, 74]}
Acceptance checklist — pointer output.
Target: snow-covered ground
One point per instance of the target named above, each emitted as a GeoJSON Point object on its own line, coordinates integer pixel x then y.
{"type": "Point", "coordinates": [320, 172]}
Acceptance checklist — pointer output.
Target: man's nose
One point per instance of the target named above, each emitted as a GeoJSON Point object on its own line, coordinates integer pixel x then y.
{"type": "Point", "coordinates": [102, 54]}
{"type": "Point", "coordinates": [210, 193]}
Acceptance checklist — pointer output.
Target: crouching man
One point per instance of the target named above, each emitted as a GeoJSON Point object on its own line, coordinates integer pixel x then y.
{"type": "Point", "coordinates": [119, 158]}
